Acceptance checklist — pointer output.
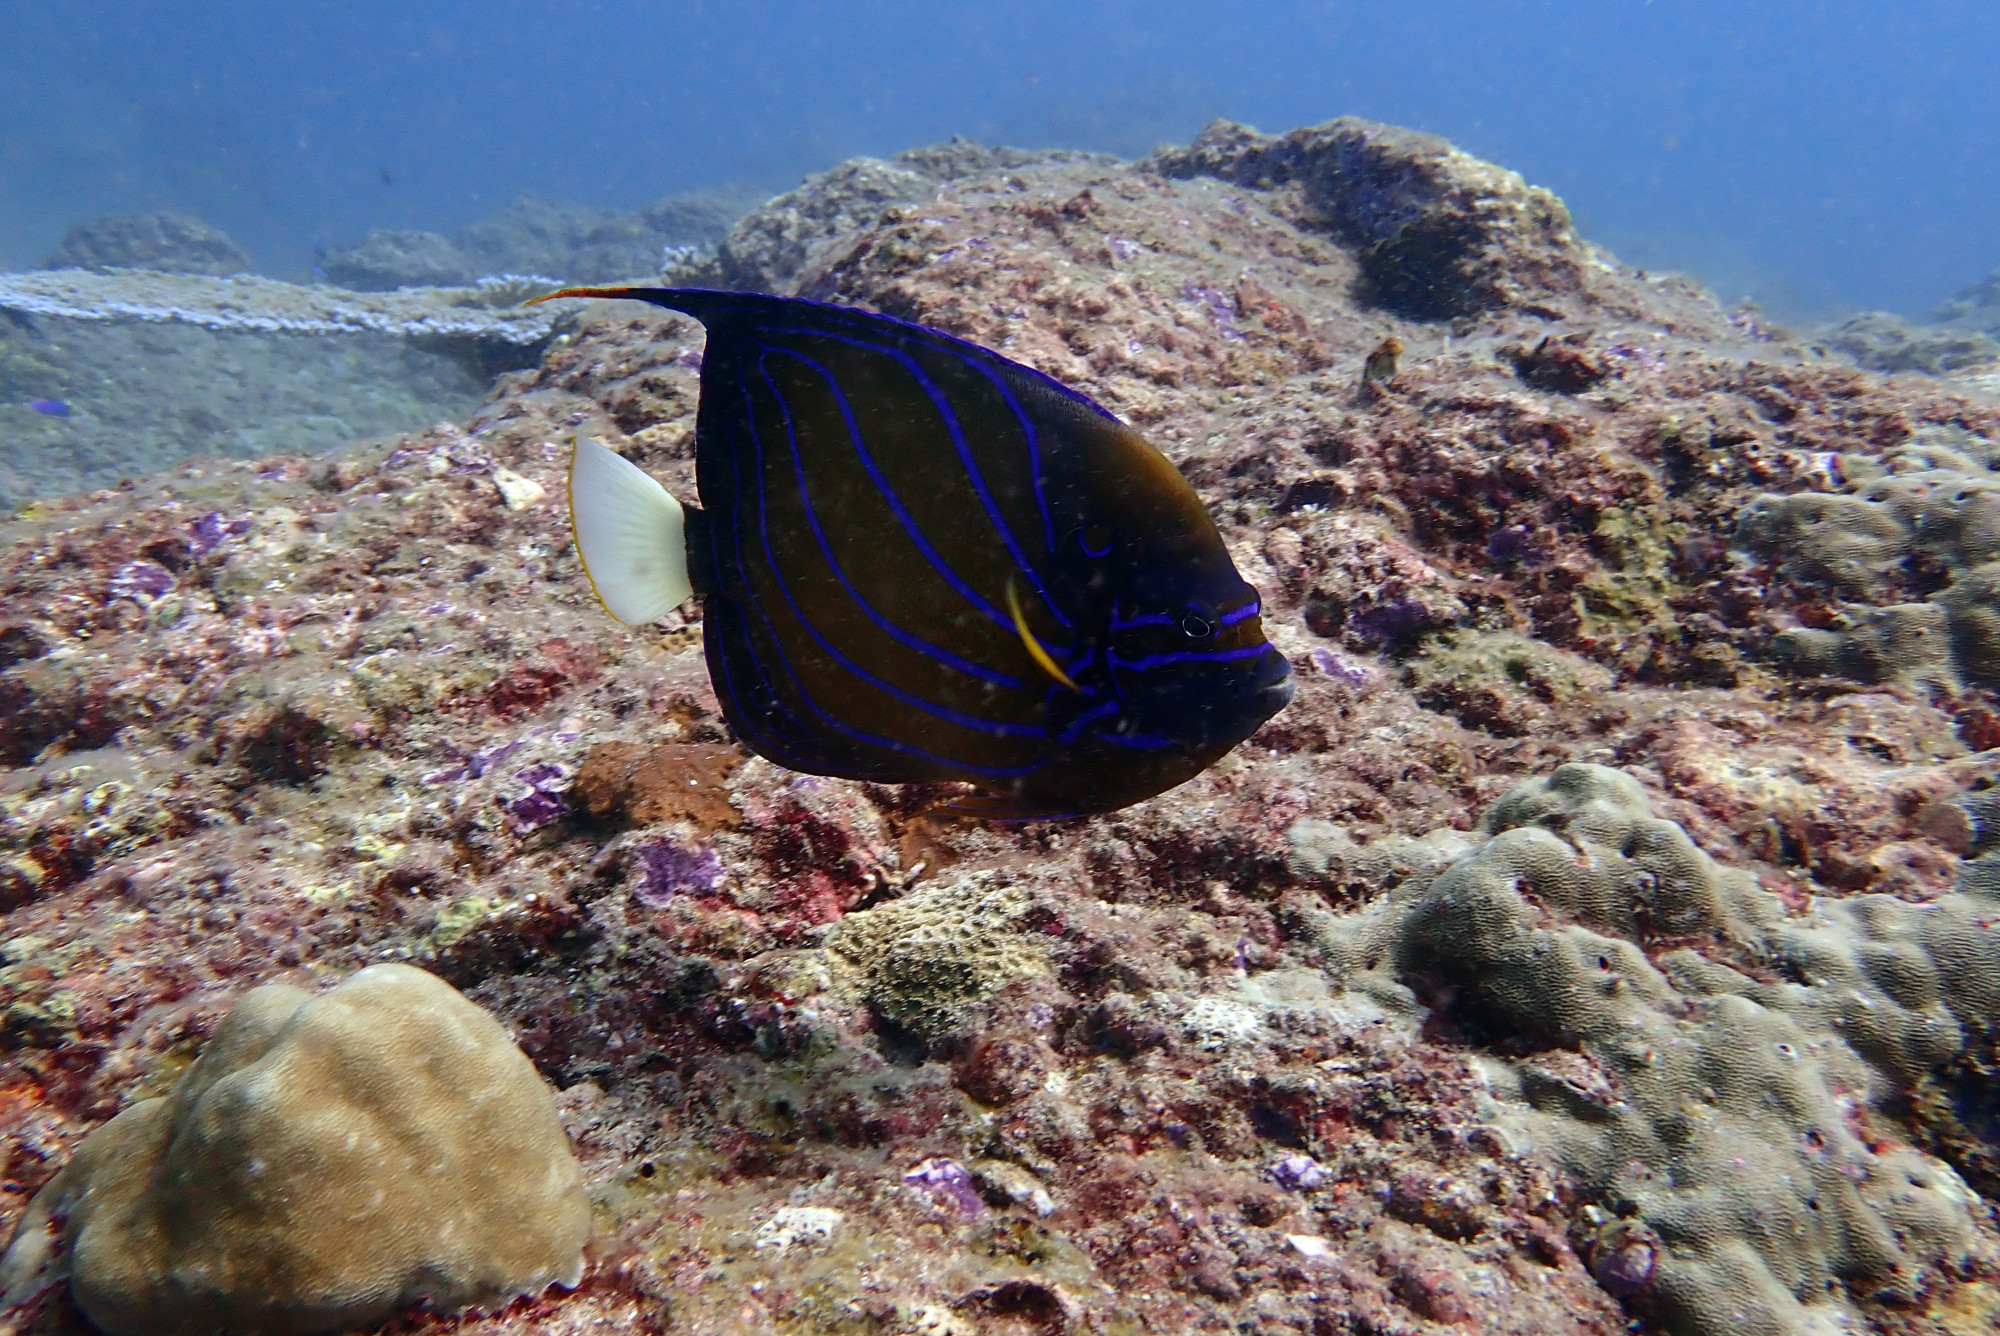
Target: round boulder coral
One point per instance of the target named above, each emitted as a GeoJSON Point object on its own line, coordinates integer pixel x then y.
{"type": "Point", "coordinates": [327, 1160]}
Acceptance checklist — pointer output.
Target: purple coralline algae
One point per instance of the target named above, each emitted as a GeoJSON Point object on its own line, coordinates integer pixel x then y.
{"type": "Point", "coordinates": [278, 720]}
{"type": "Point", "coordinates": [142, 581]}
{"type": "Point", "coordinates": [1299, 1173]}
{"type": "Point", "coordinates": [951, 1183]}
{"type": "Point", "coordinates": [1627, 1271]}
{"type": "Point", "coordinates": [1334, 664]}
{"type": "Point", "coordinates": [1219, 304]}
{"type": "Point", "coordinates": [1393, 622]}
{"type": "Point", "coordinates": [1509, 544]}
{"type": "Point", "coordinates": [207, 533]}
{"type": "Point", "coordinates": [548, 784]}
{"type": "Point", "coordinates": [667, 870]}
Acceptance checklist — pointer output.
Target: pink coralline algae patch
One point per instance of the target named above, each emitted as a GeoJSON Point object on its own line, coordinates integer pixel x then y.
{"type": "Point", "coordinates": [835, 1061]}
{"type": "Point", "coordinates": [1298, 1172]}
{"type": "Point", "coordinates": [667, 870]}
{"type": "Point", "coordinates": [142, 581]}
{"type": "Point", "coordinates": [950, 1183]}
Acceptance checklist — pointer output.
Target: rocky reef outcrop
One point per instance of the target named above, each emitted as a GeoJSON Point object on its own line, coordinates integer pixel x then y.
{"type": "Point", "coordinates": [1592, 941]}
{"type": "Point", "coordinates": [550, 238]}
{"type": "Point", "coordinates": [1437, 232]}
{"type": "Point", "coordinates": [168, 243]}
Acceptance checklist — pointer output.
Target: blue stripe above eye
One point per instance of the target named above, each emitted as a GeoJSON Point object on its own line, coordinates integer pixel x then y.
{"type": "Point", "coordinates": [1231, 618]}
{"type": "Point", "coordinates": [1189, 656]}
{"type": "Point", "coordinates": [919, 644]}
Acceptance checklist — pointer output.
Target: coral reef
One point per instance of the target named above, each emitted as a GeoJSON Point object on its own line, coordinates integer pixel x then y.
{"type": "Point", "coordinates": [170, 243]}
{"type": "Point", "coordinates": [159, 368]}
{"type": "Point", "coordinates": [325, 1161]}
{"type": "Point", "coordinates": [1884, 342]}
{"type": "Point", "coordinates": [767, 250]}
{"type": "Point", "coordinates": [1961, 342]}
{"type": "Point", "coordinates": [1975, 306]}
{"type": "Point", "coordinates": [1900, 567]}
{"type": "Point", "coordinates": [775, 244]}
{"type": "Point", "coordinates": [1348, 1034]}
{"type": "Point", "coordinates": [488, 310]}
{"type": "Point", "coordinates": [385, 260]}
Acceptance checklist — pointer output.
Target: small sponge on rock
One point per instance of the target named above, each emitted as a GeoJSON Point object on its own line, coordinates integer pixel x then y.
{"type": "Point", "coordinates": [924, 961]}
{"type": "Point", "coordinates": [328, 1159]}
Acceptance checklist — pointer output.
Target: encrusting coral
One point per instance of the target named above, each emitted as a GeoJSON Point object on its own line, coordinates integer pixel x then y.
{"type": "Point", "coordinates": [326, 1160]}
{"type": "Point", "coordinates": [920, 960]}
{"type": "Point", "coordinates": [1717, 1111]}
{"type": "Point", "coordinates": [1908, 555]}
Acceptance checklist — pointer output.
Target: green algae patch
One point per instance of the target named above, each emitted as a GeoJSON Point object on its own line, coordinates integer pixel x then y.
{"type": "Point", "coordinates": [460, 917]}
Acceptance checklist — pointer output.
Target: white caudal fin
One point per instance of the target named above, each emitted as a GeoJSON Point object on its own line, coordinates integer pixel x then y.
{"type": "Point", "coordinates": [630, 534]}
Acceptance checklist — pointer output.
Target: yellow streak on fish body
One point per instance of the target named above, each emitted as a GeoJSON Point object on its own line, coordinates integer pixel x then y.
{"type": "Point", "coordinates": [1035, 650]}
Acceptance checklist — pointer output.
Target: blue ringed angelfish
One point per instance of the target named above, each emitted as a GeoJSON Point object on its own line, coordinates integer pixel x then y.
{"type": "Point", "coordinates": [920, 561]}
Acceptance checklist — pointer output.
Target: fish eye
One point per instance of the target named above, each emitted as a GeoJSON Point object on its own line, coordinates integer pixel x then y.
{"type": "Point", "coordinates": [1096, 540]}
{"type": "Point", "coordinates": [1196, 624]}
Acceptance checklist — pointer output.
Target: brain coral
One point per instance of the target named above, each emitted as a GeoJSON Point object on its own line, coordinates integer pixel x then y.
{"type": "Point", "coordinates": [1701, 1063]}
{"type": "Point", "coordinates": [328, 1159]}
{"type": "Point", "coordinates": [1910, 553]}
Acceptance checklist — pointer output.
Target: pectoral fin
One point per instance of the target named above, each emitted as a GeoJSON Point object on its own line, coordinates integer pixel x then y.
{"type": "Point", "coordinates": [630, 533]}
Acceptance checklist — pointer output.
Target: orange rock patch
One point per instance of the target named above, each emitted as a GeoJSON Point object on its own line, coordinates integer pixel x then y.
{"type": "Point", "coordinates": [669, 781]}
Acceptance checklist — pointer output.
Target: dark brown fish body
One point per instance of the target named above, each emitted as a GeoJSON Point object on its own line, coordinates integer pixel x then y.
{"type": "Point", "coordinates": [921, 561]}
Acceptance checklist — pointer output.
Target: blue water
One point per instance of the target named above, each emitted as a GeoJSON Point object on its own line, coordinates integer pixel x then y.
{"type": "Point", "coordinates": [1820, 156]}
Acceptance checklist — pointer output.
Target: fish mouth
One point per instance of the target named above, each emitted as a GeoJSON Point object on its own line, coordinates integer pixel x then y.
{"type": "Point", "coordinates": [1278, 695]}
{"type": "Point", "coordinates": [1270, 691]}
{"type": "Point", "coordinates": [1275, 682]}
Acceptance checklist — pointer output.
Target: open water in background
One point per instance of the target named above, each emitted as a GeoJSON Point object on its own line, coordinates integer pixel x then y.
{"type": "Point", "coordinates": [1819, 155]}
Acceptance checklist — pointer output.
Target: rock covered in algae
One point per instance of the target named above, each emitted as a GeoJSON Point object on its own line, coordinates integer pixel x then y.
{"type": "Point", "coordinates": [170, 243]}
{"type": "Point", "coordinates": [325, 1161]}
{"type": "Point", "coordinates": [1440, 232]}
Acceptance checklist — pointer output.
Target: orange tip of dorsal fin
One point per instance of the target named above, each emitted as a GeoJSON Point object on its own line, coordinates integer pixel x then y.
{"type": "Point", "coordinates": [579, 292]}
